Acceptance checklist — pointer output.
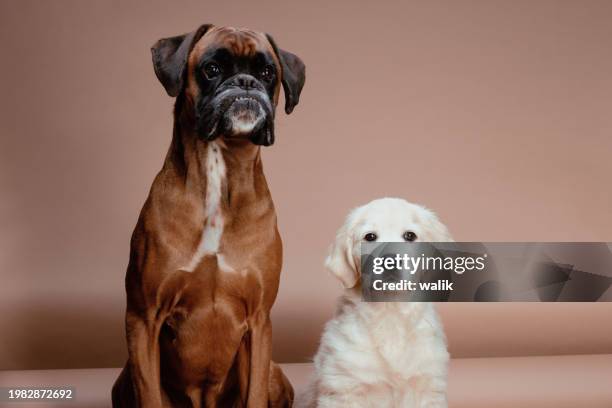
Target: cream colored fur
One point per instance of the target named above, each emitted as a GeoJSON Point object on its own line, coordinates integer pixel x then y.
{"type": "Point", "coordinates": [379, 354]}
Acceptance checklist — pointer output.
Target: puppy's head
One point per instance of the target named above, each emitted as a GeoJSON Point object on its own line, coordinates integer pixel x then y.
{"type": "Point", "coordinates": [230, 79]}
{"type": "Point", "coordinates": [382, 220]}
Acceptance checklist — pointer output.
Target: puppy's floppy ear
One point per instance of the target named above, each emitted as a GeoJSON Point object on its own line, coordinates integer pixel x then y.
{"type": "Point", "coordinates": [170, 58]}
{"type": "Point", "coordinates": [292, 77]}
{"type": "Point", "coordinates": [340, 261]}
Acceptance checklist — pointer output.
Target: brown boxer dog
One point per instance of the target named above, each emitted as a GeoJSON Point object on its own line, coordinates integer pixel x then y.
{"type": "Point", "coordinates": [206, 254]}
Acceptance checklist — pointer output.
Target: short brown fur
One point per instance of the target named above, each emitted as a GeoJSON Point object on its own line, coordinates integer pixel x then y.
{"type": "Point", "coordinates": [203, 338]}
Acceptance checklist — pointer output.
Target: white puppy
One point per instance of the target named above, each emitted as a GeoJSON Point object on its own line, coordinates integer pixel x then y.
{"type": "Point", "coordinates": [380, 354]}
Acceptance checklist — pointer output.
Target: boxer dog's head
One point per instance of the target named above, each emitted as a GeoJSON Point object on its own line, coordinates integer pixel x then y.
{"type": "Point", "coordinates": [230, 80]}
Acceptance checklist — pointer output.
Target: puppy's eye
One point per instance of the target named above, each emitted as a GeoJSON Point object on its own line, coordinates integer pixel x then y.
{"type": "Point", "coordinates": [409, 236]}
{"type": "Point", "coordinates": [267, 73]}
{"type": "Point", "coordinates": [370, 236]}
{"type": "Point", "coordinates": [212, 70]}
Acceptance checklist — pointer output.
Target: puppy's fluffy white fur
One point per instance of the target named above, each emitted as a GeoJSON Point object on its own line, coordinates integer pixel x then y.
{"type": "Point", "coordinates": [379, 354]}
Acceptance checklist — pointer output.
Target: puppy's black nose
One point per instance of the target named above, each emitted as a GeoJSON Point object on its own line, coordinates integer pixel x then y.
{"type": "Point", "coordinates": [244, 81]}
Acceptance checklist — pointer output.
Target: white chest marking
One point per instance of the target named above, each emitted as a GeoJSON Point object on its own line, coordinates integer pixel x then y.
{"type": "Point", "coordinates": [213, 223]}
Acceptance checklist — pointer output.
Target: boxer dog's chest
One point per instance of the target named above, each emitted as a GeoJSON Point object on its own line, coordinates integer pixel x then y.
{"type": "Point", "coordinates": [216, 177]}
{"type": "Point", "coordinates": [240, 232]}
{"type": "Point", "coordinates": [238, 249]}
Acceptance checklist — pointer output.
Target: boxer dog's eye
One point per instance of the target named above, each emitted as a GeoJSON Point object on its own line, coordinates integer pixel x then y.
{"type": "Point", "coordinates": [212, 70]}
{"type": "Point", "coordinates": [267, 73]}
{"type": "Point", "coordinates": [370, 236]}
{"type": "Point", "coordinates": [409, 236]}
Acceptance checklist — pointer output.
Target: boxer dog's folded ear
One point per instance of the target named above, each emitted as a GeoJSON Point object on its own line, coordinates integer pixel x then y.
{"type": "Point", "coordinates": [170, 58]}
{"type": "Point", "coordinates": [293, 75]}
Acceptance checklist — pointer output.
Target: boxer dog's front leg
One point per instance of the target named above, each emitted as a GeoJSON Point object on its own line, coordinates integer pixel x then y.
{"type": "Point", "coordinates": [143, 331]}
{"type": "Point", "coordinates": [143, 360]}
{"type": "Point", "coordinates": [261, 354]}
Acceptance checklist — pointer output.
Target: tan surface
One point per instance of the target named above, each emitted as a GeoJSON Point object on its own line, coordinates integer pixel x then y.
{"type": "Point", "coordinates": [495, 114]}
{"type": "Point", "coordinates": [526, 382]}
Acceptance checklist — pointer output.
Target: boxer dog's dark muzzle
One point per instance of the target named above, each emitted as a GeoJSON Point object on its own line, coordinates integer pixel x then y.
{"type": "Point", "coordinates": [240, 108]}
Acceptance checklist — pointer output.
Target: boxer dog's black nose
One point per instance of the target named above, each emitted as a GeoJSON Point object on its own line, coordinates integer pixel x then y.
{"type": "Point", "coordinates": [246, 82]}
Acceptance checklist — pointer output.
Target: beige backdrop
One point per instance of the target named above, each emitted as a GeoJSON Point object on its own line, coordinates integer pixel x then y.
{"type": "Point", "coordinates": [495, 114]}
